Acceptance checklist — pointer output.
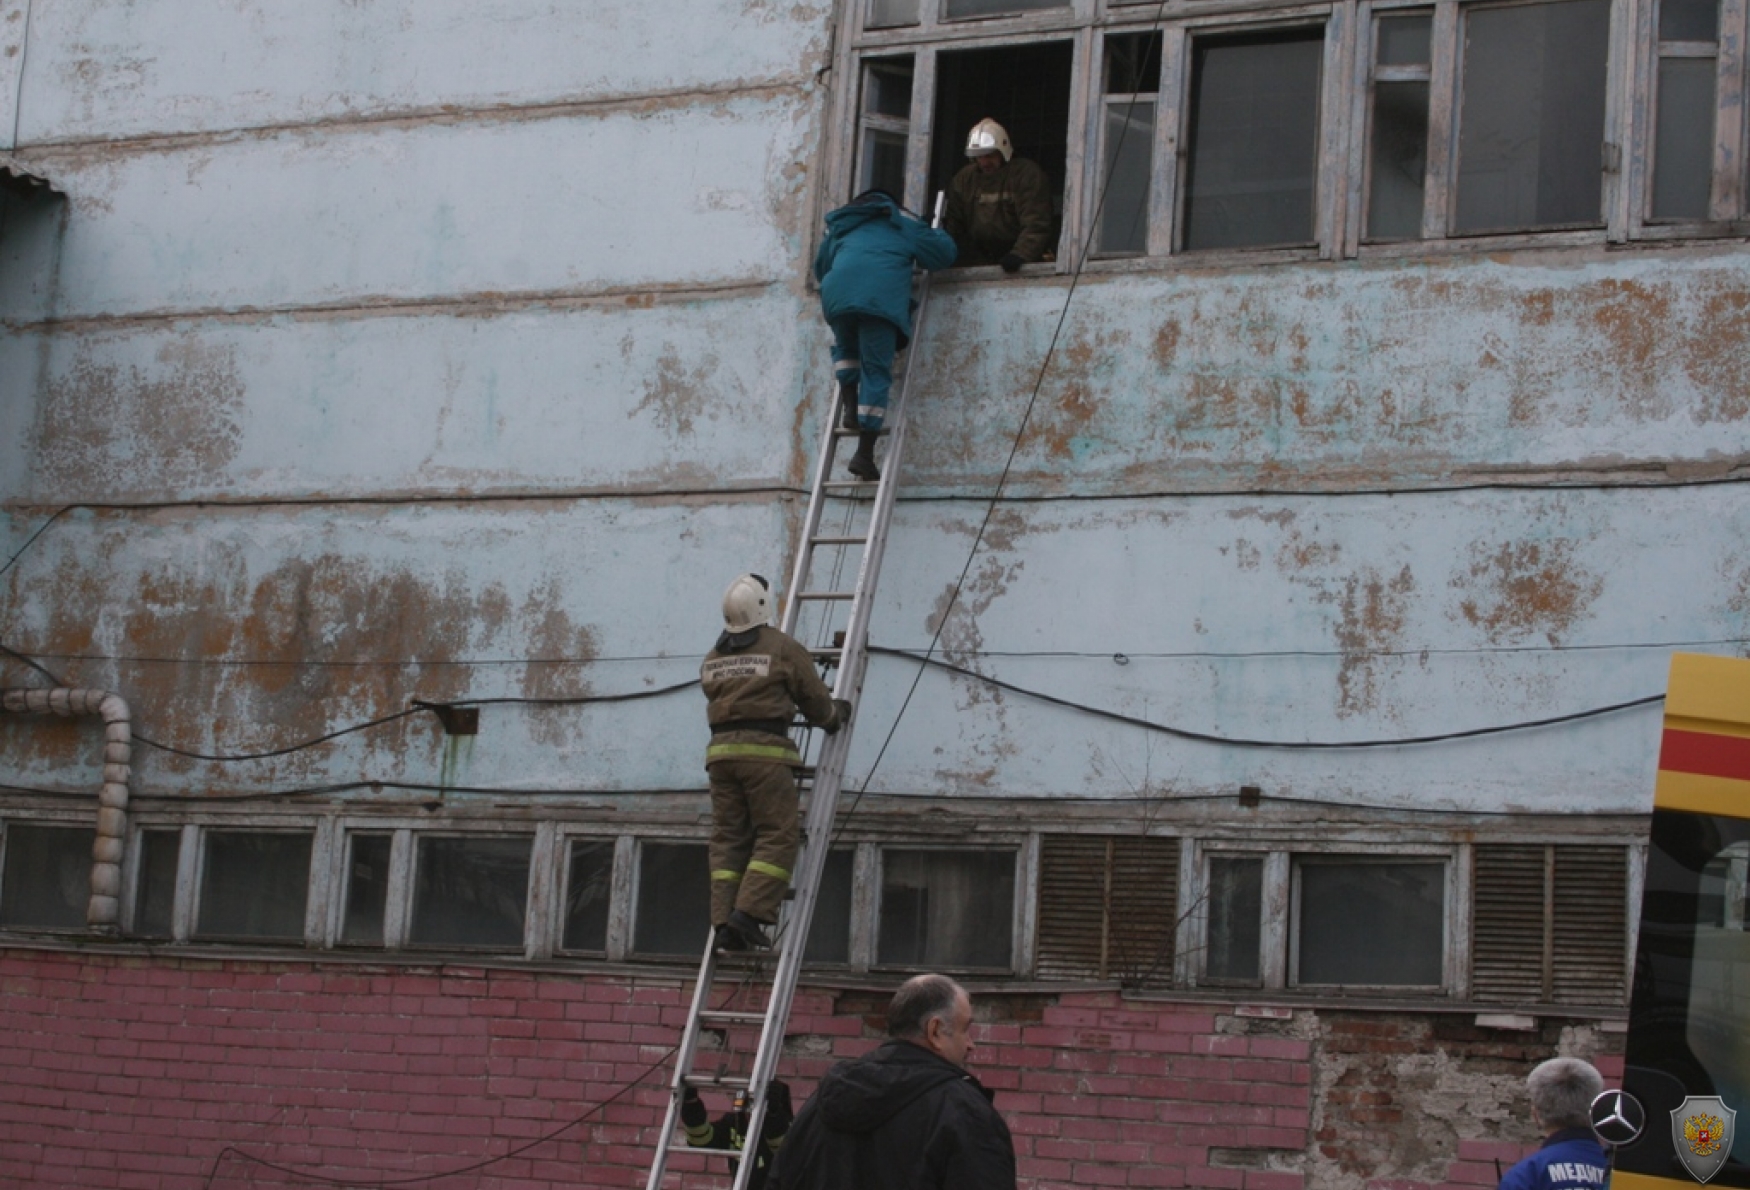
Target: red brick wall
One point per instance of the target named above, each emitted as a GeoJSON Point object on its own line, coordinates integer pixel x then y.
{"type": "Point", "coordinates": [153, 1073]}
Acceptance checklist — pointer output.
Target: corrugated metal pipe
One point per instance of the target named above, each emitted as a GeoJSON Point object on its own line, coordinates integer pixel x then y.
{"type": "Point", "coordinates": [103, 911]}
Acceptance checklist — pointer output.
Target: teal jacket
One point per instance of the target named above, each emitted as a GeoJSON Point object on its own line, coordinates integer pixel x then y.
{"type": "Point", "coordinates": [864, 264]}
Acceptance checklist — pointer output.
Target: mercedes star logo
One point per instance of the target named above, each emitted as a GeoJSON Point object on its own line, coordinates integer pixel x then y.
{"type": "Point", "coordinates": [1617, 1118]}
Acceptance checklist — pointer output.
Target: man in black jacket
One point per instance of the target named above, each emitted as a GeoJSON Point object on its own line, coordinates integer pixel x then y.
{"type": "Point", "coordinates": [907, 1116]}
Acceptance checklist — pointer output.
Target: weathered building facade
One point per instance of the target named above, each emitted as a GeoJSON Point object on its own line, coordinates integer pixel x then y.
{"type": "Point", "coordinates": [1264, 715]}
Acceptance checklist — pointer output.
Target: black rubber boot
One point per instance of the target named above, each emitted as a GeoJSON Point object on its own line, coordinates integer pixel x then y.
{"type": "Point", "coordinates": [862, 464]}
{"type": "Point", "coordinates": [848, 401]}
{"type": "Point", "coordinates": [749, 929]}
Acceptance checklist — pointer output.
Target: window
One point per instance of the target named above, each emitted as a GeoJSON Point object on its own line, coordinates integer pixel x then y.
{"type": "Point", "coordinates": [1253, 140]}
{"type": "Point", "coordinates": [1367, 922]}
{"type": "Point", "coordinates": [1236, 919]}
{"type": "Point", "coordinates": [674, 899]}
{"type": "Point", "coordinates": [1241, 129]}
{"type": "Point", "coordinates": [829, 934]}
{"type": "Point", "coordinates": [367, 888]}
{"type": "Point", "coordinates": [1127, 134]}
{"type": "Point", "coordinates": [951, 909]}
{"type": "Point", "coordinates": [47, 882]}
{"type": "Point", "coordinates": [1685, 101]}
{"type": "Point", "coordinates": [1397, 160]}
{"type": "Point", "coordinates": [1280, 918]}
{"type": "Point", "coordinates": [1532, 124]}
{"type": "Point", "coordinates": [470, 891]}
{"type": "Point", "coordinates": [155, 887]}
{"type": "Point", "coordinates": [1024, 88]}
{"type": "Point", "coordinates": [885, 127]}
{"type": "Point", "coordinates": [254, 885]}
{"type": "Point", "coordinates": [589, 886]}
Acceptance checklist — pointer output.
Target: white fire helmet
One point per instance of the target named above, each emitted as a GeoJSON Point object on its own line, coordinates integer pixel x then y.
{"type": "Point", "coordinates": [986, 137]}
{"type": "Point", "coordinates": [747, 604]}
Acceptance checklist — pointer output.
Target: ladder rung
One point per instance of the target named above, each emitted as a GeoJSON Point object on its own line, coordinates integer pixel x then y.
{"type": "Point", "coordinates": [837, 540]}
{"type": "Point", "coordinates": [839, 431]}
{"type": "Point", "coordinates": [835, 485]}
{"type": "Point", "coordinates": [734, 1082]}
{"type": "Point", "coordinates": [821, 595]}
{"type": "Point", "coordinates": [826, 654]}
{"type": "Point", "coordinates": [733, 1018]}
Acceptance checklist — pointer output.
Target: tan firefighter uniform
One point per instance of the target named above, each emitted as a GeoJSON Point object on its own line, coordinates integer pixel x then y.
{"type": "Point", "coordinates": [755, 693]}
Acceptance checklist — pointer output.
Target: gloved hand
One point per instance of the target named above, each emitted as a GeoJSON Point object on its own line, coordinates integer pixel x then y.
{"type": "Point", "coordinates": [841, 708]}
{"type": "Point", "coordinates": [779, 1113]}
{"type": "Point", "coordinates": [693, 1113]}
{"type": "Point", "coordinates": [1011, 263]}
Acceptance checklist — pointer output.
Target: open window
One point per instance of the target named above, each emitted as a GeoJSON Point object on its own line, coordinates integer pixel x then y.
{"type": "Point", "coordinates": [1026, 89]}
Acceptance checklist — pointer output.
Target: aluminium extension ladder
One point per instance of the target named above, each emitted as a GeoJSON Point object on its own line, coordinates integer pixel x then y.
{"type": "Point", "coordinates": [833, 622]}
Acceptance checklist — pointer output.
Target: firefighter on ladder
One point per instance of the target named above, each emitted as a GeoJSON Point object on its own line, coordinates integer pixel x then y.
{"type": "Point", "coordinates": [729, 1130]}
{"type": "Point", "coordinates": [756, 680]}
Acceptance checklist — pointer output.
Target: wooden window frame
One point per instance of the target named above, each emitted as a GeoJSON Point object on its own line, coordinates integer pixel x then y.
{"type": "Point", "coordinates": [1347, 78]}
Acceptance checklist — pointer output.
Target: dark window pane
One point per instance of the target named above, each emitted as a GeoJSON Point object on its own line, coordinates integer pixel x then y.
{"type": "Point", "coordinates": [992, 8]}
{"type": "Point", "coordinates": [886, 14]}
{"type": "Point", "coordinates": [587, 891]}
{"type": "Point", "coordinates": [1398, 161]}
{"type": "Point", "coordinates": [1371, 924]}
{"type": "Point", "coordinates": [829, 935]}
{"type": "Point", "coordinates": [1689, 20]}
{"type": "Point", "coordinates": [471, 892]}
{"type": "Point", "coordinates": [887, 88]}
{"type": "Point", "coordinates": [1236, 914]}
{"type": "Point", "coordinates": [1403, 41]}
{"type": "Point", "coordinates": [367, 889]}
{"type": "Point", "coordinates": [254, 885]}
{"type": "Point", "coordinates": [946, 909]}
{"type": "Point", "coordinates": [674, 899]}
{"type": "Point", "coordinates": [1128, 162]}
{"type": "Point", "coordinates": [1529, 151]}
{"type": "Point", "coordinates": [883, 162]}
{"type": "Point", "coordinates": [48, 876]}
{"type": "Point", "coordinates": [155, 893]}
{"type": "Point", "coordinates": [1254, 140]}
{"type": "Point", "coordinates": [1683, 145]}
{"type": "Point", "coordinates": [1133, 64]}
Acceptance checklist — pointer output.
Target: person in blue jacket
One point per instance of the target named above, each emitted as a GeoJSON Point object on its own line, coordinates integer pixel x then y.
{"type": "Point", "coordinates": [864, 267]}
{"type": "Point", "coordinates": [1562, 1091]}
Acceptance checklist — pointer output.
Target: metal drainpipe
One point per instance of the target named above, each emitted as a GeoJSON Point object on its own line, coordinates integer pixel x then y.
{"type": "Point", "coordinates": [103, 912]}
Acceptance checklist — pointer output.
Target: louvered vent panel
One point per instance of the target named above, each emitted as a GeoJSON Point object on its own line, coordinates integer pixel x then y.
{"type": "Point", "coordinates": [1507, 925]}
{"type": "Point", "coordinates": [1591, 924]}
{"type": "Point", "coordinates": [1145, 899]}
{"type": "Point", "coordinates": [1072, 894]}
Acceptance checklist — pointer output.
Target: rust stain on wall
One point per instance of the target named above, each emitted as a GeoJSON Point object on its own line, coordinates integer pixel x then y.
{"type": "Point", "coordinates": [1372, 611]}
{"type": "Point", "coordinates": [1718, 357]}
{"type": "Point", "coordinates": [178, 421]}
{"type": "Point", "coordinates": [674, 396]}
{"type": "Point", "coordinates": [1166, 344]}
{"type": "Point", "coordinates": [1527, 588]}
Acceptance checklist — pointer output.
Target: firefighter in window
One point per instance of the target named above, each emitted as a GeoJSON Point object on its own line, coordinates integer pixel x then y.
{"type": "Point", "coordinates": [999, 205]}
{"type": "Point", "coordinates": [729, 1130]}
